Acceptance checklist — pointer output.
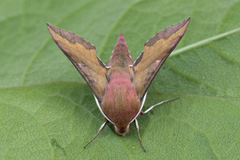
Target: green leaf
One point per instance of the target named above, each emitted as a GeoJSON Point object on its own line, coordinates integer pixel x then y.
{"type": "Point", "coordinates": [48, 112]}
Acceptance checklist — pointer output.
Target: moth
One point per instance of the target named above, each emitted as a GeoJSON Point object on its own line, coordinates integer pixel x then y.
{"type": "Point", "coordinates": [120, 87]}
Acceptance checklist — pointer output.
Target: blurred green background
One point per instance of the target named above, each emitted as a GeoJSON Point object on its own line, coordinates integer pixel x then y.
{"type": "Point", "coordinates": [47, 111]}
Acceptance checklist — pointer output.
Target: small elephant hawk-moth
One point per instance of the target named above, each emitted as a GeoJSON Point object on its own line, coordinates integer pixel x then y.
{"type": "Point", "coordinates": [120, 88]}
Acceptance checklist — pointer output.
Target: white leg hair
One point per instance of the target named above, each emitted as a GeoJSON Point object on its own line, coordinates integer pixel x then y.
{"type": "Point", "coordinates": [99, 107]}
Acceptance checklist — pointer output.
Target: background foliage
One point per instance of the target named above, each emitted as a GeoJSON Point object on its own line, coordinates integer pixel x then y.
{"type": "Point", "coordinates": [48, 112]}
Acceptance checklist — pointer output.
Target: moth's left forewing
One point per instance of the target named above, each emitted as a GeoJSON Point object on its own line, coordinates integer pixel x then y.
{"type": "Point", "coordinates": [156, 51]}
{"type": "Point", "coordinates": [83, 56]}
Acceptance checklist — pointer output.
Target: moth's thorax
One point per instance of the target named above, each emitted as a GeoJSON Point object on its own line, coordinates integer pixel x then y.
{"type": "Point", "coordinates": [120, 103]}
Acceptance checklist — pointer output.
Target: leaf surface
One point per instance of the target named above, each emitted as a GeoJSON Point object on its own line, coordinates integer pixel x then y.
{"type": "Point", "coordinates": [48, 112]}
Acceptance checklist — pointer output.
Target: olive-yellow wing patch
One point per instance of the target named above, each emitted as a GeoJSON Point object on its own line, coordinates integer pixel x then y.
{"type": "Point", "coordinates": [156, 51]}
{"type": "Point", "coordinates": [83, 56]}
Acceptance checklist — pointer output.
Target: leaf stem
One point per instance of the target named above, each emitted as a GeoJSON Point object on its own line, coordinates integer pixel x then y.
{"type": "Point", "coordinates": [201, 43]}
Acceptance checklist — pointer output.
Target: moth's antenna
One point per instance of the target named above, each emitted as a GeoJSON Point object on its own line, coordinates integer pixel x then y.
{"type": "Point", "coordinates": [144, 112]}
{"type": "Point", "coordinates": [100, 129]}
{"type": "Point", "coordinates": [137, 127]}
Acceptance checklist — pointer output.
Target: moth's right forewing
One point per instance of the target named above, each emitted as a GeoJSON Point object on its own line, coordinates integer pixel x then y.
{"type": "Point", "coordinates": [83, 56]}
{"type": "Point", "coordinates": [156, 51]}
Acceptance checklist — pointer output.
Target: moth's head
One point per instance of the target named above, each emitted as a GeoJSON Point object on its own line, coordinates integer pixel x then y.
{"type": "Point", "coordinates": [122, 130]}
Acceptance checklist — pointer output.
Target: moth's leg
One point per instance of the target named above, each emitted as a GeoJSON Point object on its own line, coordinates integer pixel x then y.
{"type": "Point", "coordinates": [100, 129]}
{"type": "Point", "coordinates": [137, 127]}
{"type": "Point", "coordinates": [144, 112]}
